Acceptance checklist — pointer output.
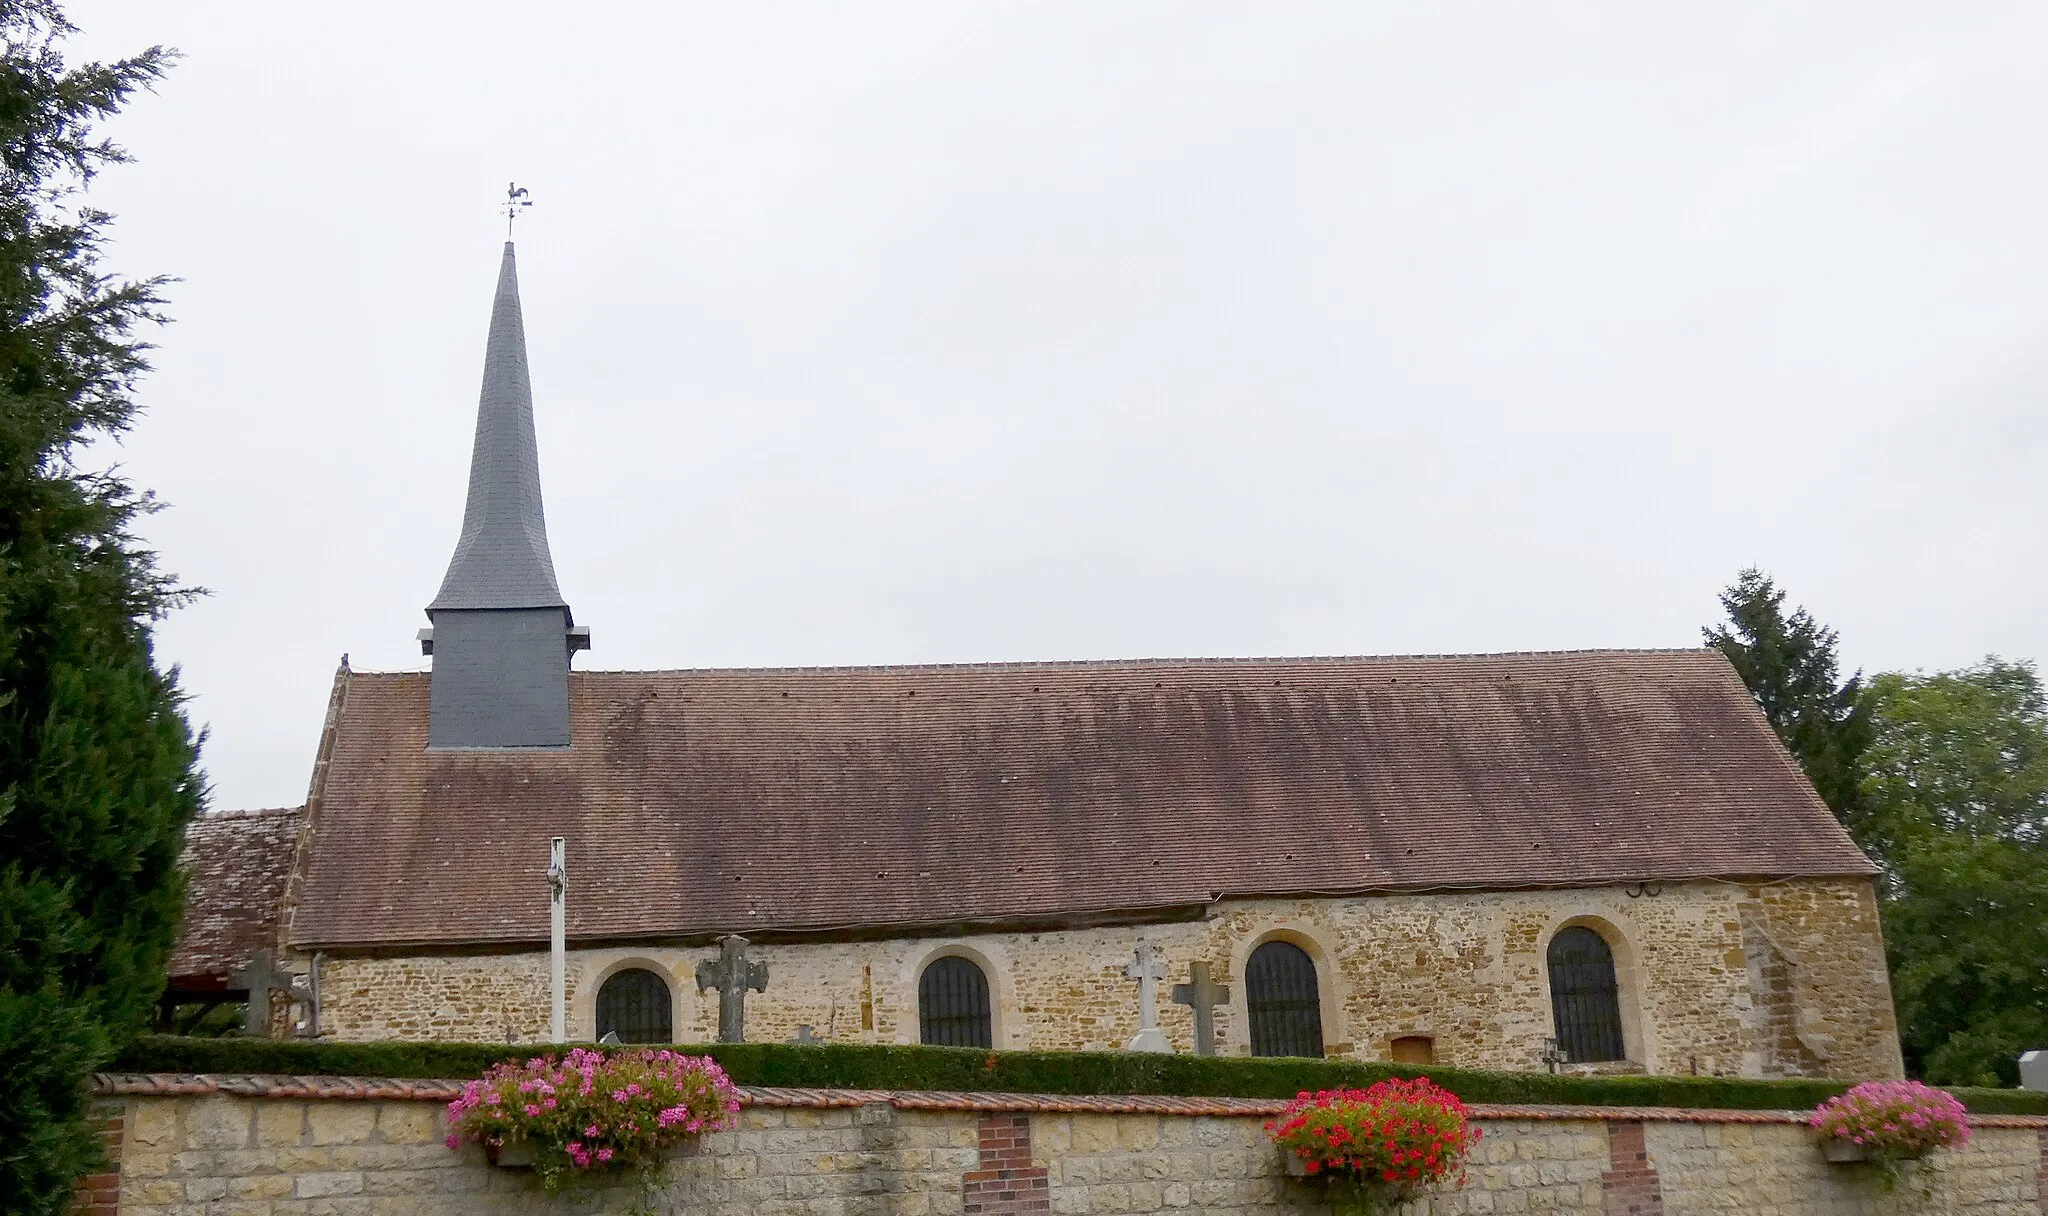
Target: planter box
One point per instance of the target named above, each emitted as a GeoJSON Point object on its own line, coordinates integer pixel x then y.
{"type": "Point", "coordinates": [1295, 1167]}
{"type": "Point", "coordinates": [1843, 1152]}
{"type": "Point", "coordinates": [517, 1155]}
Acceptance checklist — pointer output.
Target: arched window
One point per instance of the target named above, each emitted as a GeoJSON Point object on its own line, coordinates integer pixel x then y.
{"type": "Point", "coordinates": [952, 1004]}
{"type": "Point", "coordinates": [634, 1004]}
{"type": "Point", "coordinates": [1584, 999]}
{"type": "Point", "coordinates": [1284, 1000]}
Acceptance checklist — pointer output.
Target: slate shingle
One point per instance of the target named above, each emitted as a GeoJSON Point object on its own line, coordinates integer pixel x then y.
{"type": "Point", "coordinates": [502, 559]}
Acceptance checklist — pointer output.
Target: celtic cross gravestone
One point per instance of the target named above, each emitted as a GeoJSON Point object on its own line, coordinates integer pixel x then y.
{"type": "Point", "coordinates": [732, 973]}
{"type": "Point", "coordinates": [1202, 994]}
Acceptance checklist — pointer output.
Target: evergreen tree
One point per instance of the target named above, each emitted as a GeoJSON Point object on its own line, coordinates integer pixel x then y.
{"type": "Point", "coordinates": [97, 765]}
{"type": "Point", "coordinates": [1789, 664]}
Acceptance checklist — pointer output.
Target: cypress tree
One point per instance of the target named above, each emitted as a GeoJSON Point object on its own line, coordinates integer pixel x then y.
{"type": "Point", "coordinates": [97, 763]}
{"type": "Point", "coordinates": [1789, 664]}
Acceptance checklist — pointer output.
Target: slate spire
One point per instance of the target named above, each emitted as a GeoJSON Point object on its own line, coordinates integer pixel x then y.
{"type": "Point", "coordinates": [502, 634]}
{"type": "Point", "coordinates": [502, 559]}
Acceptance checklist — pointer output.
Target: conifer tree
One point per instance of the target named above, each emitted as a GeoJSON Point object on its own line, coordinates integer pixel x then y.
{"type": "Point", "coordinates": [1789, 664]}
{"type": "Point", "coordinates": [97, 764]}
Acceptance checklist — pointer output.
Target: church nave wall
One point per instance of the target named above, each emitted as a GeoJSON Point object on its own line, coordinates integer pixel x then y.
{"type": "Point", "coordinates": [1467, 970]}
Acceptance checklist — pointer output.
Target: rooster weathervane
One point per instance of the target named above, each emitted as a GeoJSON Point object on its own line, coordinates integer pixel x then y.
{"type": "Point", "coordinates": [515, 202]}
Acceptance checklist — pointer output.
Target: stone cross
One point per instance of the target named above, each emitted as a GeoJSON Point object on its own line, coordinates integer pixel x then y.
{"type": "Point", "coordinates": [258, 978]}
{"type": "Point", "coordinates": [732, 973]}
{"type": "Point", "coordinates": [1202, 995]}
{"type": "Point", "coordinates": [1148, 971]}
{"type": "Point", "coordinates": [804, 1035]}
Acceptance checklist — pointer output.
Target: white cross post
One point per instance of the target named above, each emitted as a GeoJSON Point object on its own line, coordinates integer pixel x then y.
{"type": "Point", "coordinates": [558, 891]}
{"type": "Point", "coordinates": [1148, 971]}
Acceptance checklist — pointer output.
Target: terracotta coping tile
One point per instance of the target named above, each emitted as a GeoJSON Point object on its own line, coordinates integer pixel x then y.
{"type": "Point", "coordinates": [363, 1088]}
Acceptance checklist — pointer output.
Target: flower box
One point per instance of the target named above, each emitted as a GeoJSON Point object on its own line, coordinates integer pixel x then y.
{"type": "Point", "coordinates": [512, 1155]}
{"type": "Point", "coordinates": [1843, 1152]}
{"type": "Point", "coordinates": [1369, 1150]}
{"type": "Point", "coordinates": [1889, 1127]}
{"type": "Point", "coordinates": [520, 1154]}
{"type": "Point", "coordinates": [589, 1113]}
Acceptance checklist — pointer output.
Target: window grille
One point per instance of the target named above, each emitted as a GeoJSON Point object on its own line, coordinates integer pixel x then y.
{"type": "Point", "coordinates": [635, 1005]}
{"type": "Point", "coordinates": [1284, 1000]}
{"type": "Point", "coordinates": [1584, 999]}
{"type": "Point", "coordinates": [952, 1004]}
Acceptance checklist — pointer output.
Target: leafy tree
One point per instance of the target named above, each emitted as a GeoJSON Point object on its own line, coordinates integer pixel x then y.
{"type": "Point", "coordinates": [1957, 798]}
{"type": "Point", "coordinates": [97, 764]}
{"type": "Point", "coordinates": [1789, 664]}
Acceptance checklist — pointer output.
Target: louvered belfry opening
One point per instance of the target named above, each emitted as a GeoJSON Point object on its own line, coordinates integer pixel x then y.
{"type": "Point", "coordinates": [952, 1004]}
{"type": "Point", "coordinates": [635, 1005]}
{"type": "Point", "coordinates": [1285, 1001]}
{"type": "Point", "coordinates": [1584, 998]}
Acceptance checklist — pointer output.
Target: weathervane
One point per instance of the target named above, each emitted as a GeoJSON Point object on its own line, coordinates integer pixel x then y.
{"type": "Point", "coordinates": [515, 202]}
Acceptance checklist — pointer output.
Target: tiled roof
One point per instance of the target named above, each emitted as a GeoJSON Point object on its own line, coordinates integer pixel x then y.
{"type": "Point", "coordinates": [364, 1088]}
{"type": "Point", "coordinates": [236, 863]}
{"type": "Point", "coordinates": [830, 801]}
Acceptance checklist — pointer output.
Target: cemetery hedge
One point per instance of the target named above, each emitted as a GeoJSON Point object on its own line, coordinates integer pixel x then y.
{"type": "Point", "coordinates": [856, 1066]}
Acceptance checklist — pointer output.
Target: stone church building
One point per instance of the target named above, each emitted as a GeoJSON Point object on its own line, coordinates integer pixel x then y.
{"type": "Point", "coordinates": [1587, 860]}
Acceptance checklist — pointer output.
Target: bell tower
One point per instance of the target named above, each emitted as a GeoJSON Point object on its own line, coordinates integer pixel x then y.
{"type": "Point", "coordinates": [502, 634]}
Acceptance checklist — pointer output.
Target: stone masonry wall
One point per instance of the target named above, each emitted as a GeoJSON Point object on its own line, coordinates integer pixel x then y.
{"type": "Point", "coordinates": [1716, 978]}
{"type": "Point", "coordinates": [820, 1153]}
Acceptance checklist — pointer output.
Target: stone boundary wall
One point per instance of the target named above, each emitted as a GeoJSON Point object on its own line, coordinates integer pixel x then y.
{"type": "Point", "coordinates": [300, 1146]}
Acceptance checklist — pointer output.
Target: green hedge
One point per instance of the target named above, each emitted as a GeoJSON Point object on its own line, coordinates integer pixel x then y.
{"type": "Point", "coordinates": [849, 1066]}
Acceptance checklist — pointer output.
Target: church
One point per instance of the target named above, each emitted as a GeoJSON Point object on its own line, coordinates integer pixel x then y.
{"type": "Point", "coordinates": [1589, 861]}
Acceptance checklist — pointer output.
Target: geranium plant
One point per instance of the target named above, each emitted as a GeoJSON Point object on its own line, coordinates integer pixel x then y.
{"type": "Point", "coordinates": [1890, 1123]}
{"type": "Point", "coordinates": [592, 1111]}
{"type": "Point", "coordinates": [1379, 1146]}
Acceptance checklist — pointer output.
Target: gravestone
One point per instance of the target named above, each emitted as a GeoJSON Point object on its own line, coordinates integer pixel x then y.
{"type": "Point", "coordinates": [1202, 995]}
{"type": "Point", "coordinates": [1148, 971]}
{"type": "Point", "coordinates": [732, 973]}
{"type": "Point", "coordinates": [804, 1035]}
{"type": "Point", "coordinates": [2034, 1071]}
{"type": "Point", "coordinates": [259, 978]}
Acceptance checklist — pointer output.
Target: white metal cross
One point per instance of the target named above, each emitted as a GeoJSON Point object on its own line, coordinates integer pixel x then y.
{"type": "Point", "coordinates": [558, 892]}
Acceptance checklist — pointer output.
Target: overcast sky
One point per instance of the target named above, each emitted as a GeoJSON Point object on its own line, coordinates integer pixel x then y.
{"type": "Point", "coordinates": [872, 334]}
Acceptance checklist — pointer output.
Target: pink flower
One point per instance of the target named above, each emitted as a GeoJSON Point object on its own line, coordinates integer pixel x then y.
{"type": "Point", "coordinates": [604, 1154]}
{"type": "Point", "coordinates": [454, 1141]}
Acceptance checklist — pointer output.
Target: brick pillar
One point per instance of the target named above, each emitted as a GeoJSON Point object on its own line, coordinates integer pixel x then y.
{"type": "Point", "coordinates": [2041, 1178]}
{"type": "Point", "coordinates": [1006, 1181]}
{"type": "Point", "coordinates": [1629, 1187]}
{"type": "Point", "coordinates": [100, 1194]}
